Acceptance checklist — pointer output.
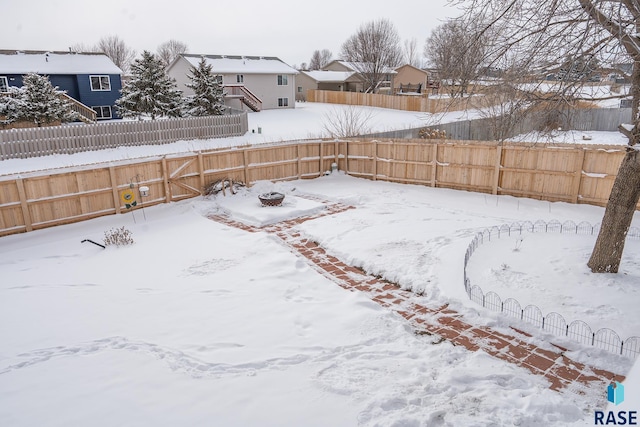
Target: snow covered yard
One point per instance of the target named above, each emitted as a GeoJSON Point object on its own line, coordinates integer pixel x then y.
{"type": "Point", "coordinates": [199, 323]}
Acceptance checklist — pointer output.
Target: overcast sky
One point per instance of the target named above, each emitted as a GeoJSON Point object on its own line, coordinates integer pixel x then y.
{"type": "Point", "coordinates": [290, 30]}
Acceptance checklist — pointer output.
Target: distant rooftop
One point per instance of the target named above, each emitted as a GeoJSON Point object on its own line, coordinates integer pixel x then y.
{"type": "Point", "coordinates": [236, 64]}
{"type": "Point", "coordinates": [48, 63]}
{"type": "Point", "coordinates": [329, 76]}
{"type": "Point", "coordinates": [363, 66]}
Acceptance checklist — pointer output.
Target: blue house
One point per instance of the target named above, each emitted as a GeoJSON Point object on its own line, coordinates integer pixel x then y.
{"type": "Point", "coordinates": [91, 79]}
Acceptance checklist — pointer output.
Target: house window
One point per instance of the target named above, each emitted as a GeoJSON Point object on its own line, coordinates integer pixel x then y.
{"type": "Point", "coordinates": [4, 84]}
{"type": "Point", "coordinates": [283, 102]}
{"type": "Point", "coordinates": [100, 83]}
{"type": "Point", "coordinates": [282, 80]}
{"type": "Point", "coordinates": [299, 89]}
{"type": "Point", "coordinates": [219, 79]}
{"type": "Point", "coordinates": [239, 78]}
{"type": "Point", "coordinates": [102, 112]}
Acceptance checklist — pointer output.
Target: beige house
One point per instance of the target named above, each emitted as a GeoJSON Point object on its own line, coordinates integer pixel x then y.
{"type": "Point", "coordinates": [358, 84]}
{"type": "Point", "coordinates": [413, 80]}
{"type": "Point", "coordinates": [340, 81]}
{"type": "Point", "coordinates": [250, 82]}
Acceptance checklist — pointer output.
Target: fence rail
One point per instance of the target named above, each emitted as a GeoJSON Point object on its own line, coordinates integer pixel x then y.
{"type": "Point", "coordinates": [554, 323]}
{"type": "Point", "coordinates": [74, 138]}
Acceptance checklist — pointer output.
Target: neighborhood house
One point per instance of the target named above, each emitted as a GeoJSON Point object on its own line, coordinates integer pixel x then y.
{"type": "Point", "coordinates": [326, 80]}
{"type": "Point", "coordinates": [414, 81]}
{"type": "Point", "coordinates": [250, 82]}
{"type": "Point", "coordinates": [91, 81]}
{"type": "Point", "coordinates": [384, 86]}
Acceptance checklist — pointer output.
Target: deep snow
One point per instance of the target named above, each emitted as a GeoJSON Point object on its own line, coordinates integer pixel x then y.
{"type": "Point", "coordinates": [198, 323]}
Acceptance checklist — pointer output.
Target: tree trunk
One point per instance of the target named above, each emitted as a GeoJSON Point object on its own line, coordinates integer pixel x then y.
{"type": "Point", "coordinates": [618, 215]}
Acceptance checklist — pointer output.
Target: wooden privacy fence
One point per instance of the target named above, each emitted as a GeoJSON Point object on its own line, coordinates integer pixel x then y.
{"type": "Point", "coordinates": [569, 173]}
{"type": "Point", "coordinates": [74, 138]}
{"type": "Point", "coordinates": [562, 172]}
{"type": "Point", "coordinates": [44, 199]}
{"type": "Point", "coordinates": [396, 102]}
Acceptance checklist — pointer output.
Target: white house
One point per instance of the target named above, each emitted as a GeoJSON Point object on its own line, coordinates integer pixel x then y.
{"type": "Point", "coordinates": [254, 82]}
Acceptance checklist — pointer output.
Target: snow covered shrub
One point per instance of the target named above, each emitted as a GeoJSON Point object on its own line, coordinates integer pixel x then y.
{"type": "Point", "coordinates": [118, 237]}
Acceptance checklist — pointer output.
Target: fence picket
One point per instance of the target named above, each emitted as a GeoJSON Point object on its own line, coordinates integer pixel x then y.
{"type": "Point", "coordinates": [74, 138]}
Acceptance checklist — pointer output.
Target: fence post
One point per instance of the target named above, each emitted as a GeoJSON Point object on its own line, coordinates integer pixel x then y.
{"type": "Point", "coordinates": [201, 170]}
{"type": "Point", "coordinates": [114, 189]}
{"type": "Point", "coordinates": [577, 177]}
{"type": "Point", "coordinates": [26, 215]}
{"type": "Point", "coordinates": [321, 159]}
{"type": "Point", "coordinates": [375, 160]}
{"type": "Point", "coordinates": [434, 163]}
{"type": "Point", "coordinates": [299, 163]}
{"type": "Point", "coordinates": [496, 170]}
{"type": "Point", "coordinates": [346, 157]}
{"type": "Point", "coordinates": [165, 179]}
{"type": "Point", "coordinates": [245, 161]}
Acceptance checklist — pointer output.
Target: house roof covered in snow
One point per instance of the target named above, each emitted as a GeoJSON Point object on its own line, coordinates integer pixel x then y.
{"type": "Point", "coordinates": [48, 63]}
{"type": "Point", "coordinates": [329, 76]}
{"type": "Point", "coordinates": [234, 64]}
{"type": "Point", "coordinates": [355, 66]}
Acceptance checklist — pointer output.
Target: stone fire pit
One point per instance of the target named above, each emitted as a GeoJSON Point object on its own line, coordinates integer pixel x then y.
{"type": "Point", "coordinates": [271, 199]}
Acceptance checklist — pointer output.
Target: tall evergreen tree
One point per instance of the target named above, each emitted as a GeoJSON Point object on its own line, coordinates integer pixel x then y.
{"type": "Point", "coordinates": [149, 91]}
{"type": "Point", "coordinates": [12, 104]}
{"type": "Point", "coordinates": [40, 102]}
{"type": "Point", "coordinates": [208, 97]}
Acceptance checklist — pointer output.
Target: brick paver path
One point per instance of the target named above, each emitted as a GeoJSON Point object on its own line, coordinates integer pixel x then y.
{"type": "Point", "coordinates": [554, 365]}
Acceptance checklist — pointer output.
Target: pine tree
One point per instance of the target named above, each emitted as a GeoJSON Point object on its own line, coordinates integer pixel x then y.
{"type": "Point", "coordinates": [208, 98]}
{"type": "Point", "coordinates": [12, 104]}
{"type": "Point", "coordinates": [150, 91]}
{"type": "Point", "coordinates": [41, 103]}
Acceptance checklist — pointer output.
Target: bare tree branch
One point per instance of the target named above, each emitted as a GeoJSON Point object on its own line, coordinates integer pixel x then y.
{"type": "Point", "coordinates": [373, 51]}
{"type": "Point", "coordinates": [116, 49]}
{"type": "Point", "coordinates": [170, 50]}
{"type": "Point", "coordinates": [563, 36]}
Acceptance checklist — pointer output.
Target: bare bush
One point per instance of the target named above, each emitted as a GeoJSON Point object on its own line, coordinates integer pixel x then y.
{"type": "Point", "coordinates": [118, 237]}
{"type": "Point", "coordinates": [221, 186]}
{"type": "Point", "coordinates": [347, 122]}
